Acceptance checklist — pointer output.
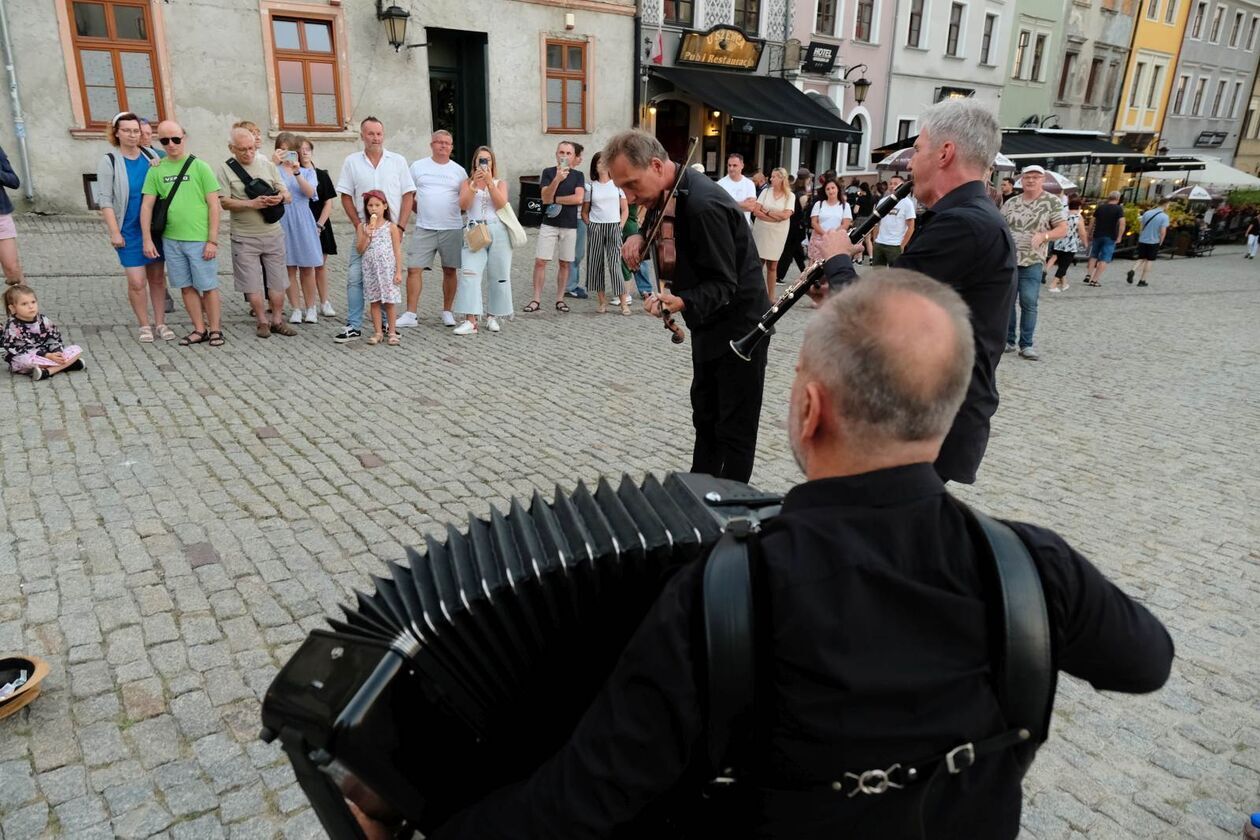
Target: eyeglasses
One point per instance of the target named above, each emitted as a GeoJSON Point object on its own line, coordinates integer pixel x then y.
{"type": "Point", "coordinates": [166, 141]}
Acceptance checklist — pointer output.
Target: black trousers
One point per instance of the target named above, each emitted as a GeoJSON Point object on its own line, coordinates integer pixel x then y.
{"type": "Point", "coordinates": [793, 252]}
{"type": "Point", "coordinates": [726, 411]}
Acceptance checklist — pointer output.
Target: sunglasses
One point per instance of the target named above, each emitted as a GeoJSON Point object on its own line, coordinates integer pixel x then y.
{"type": "Point", "coordinates": [166, 141]}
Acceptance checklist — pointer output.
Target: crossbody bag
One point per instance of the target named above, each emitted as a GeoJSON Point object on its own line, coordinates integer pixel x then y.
{"type": "Point", "coordinates": [477, 233]}
{"type": "Point", "coordinates": [157, 223]}
{"type": "Point", "coordinates": [257, 187]}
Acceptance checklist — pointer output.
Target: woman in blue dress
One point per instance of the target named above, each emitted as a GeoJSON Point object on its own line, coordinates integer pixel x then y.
{"type": "Point", "coordinates": [119, 179]}
{"type": "Point", "coordinates": [303, 253]}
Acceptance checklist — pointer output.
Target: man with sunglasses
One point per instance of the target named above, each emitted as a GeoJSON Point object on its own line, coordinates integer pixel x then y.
{"type": "Point", "coordinates": [190, 240]}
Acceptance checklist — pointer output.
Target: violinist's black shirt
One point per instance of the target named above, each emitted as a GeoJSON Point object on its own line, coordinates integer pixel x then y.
{"type": "Point", "coordinates": [880, 655]}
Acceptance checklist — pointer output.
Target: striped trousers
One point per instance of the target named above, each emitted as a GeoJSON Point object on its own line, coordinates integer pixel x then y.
{"type": "Point", "coordinates": [603, 257]}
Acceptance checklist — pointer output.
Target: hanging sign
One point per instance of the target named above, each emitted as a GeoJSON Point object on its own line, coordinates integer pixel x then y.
{"type": "Point", "coordinates": [723, 47]}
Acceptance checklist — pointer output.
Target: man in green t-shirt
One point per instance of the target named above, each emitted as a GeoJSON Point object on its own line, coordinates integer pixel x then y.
{"type": "Point", "coordinates": [190, 240]}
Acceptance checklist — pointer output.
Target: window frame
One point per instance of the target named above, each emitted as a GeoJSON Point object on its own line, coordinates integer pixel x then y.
{"type": "Point", "coordinates": [1135, 88]}
{"type": "Point", "coordinates": [1214, 29]}
{"type": "Point", "coordinates": [910, 19]}
{"type": "Point", "coordinates": [1157, 72]}
{"type": "Point", "coordinates": [1234, 99]}
{"type": "Point", "coordinates": [1152, 9]}
{"type": "Point", "coordinates": [1041, 46]}
{"type": "Point", "coordinates": [1200, 87]}
{"type": "Point", "coordinates": [1170, 13]}
{"type": "Point", "coordinates": [988, 39]}
{"type": "Point", "coordinates": [756, 11]}
{"type": "Point", "coordinates": [1235, 31]}
{"type": "Point", "coordinates": [835, 17]}
{"type": "Point", "coordinates": [306, 58]}
{"type": "Point", "coordinates": [1179, 95]}
{"type": "Point", "coordinates": [1114, 80]}
{"type": "Point", "coordinates": [687, 23]}
{"type": "Point", "coordinates": [73, 44]}
{"type": "Point", "coordinates": [1096, 67]}
{"type": "Point", "coordinates": [850, 165]}
{"type": "Point", "coordinates": [872, 34]}
{"type": "Point", "coordinates": [1065, 75]}
{"type": "Point", "coordinates": [910, 126]}
{"type": "Point", "coordinates": [334, 16]}
{"type": "Point", "coordinates": [955, 29]}
{"type": "Point", "coordinates": [1022, 43]}
{"type": "Point", "coordinates": [1196, 22]}
{"type": "Point", "coordinates": [1251, 32]}
{"type": "Point", "coordinates": [565, 75]}
{"type": "Point", "coordinates": [1221, 85]}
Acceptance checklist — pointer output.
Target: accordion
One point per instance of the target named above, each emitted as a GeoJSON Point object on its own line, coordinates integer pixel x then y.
{"type": "Point", "coordinates": [464, 670]}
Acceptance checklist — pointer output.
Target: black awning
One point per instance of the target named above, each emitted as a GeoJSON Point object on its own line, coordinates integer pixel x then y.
{"type": "Point", "coordinates": [1041, 147]}
{"type": "Point", "coordinates": [760, 104]}
{"type": "Point", "coordinates": [1165, 164]}
{"type": "Point", "coordinates": [888, 148]}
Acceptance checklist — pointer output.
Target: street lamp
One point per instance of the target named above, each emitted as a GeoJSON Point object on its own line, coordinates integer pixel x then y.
{"type": "Point", "coordinates": [861, 86]}
{"type": "Point", "coordinates": [395, 20]}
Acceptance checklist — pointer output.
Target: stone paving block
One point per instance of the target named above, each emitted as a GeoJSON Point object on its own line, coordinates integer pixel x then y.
{"type": "Point", "coordinates": [241, 804]}
{"type": "Point", "coordinates": [128, 796]}
{"type": "Point", "coordinates": [205, 827]}
{"type": "Point", "coordinates": [102, 743]}
{"type": "Point", "coordinates": [143, 699]}
{"type": "Point", "coordinates": [17, 786]}
{"type": "Point", "coordinates": [80, 815]}
{"type": "Point", "coordinates": [63, 784]}
{"type": "Point", "coordinates": [201, 554]}
{"type": "Point", "coordinates": [29, 821]}
{"type": "Point", "coordinates": [144, 821]}
{"type": "Point", "coordinates": [155, 741]}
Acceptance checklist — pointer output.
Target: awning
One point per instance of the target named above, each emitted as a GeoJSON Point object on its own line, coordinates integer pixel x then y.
{"type": "Point", "coordinates": [1159, 163]}
{"type": "Point", "coordinates": [1028, 146]}
{"type": "Point", "coordinates": [1214, 173]}
{"type": "Point", "coordinates": [760, 104]}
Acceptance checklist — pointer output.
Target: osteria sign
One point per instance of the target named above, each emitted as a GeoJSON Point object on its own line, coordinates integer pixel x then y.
{"type": "Point", "coordinates": [722, 46]}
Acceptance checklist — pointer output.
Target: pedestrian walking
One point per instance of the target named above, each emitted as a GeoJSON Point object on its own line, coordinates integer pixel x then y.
{"type": "Point", "coordinates": [321, 209]}
{"type": "Point", "coordinates": [1035, 218]}
{"type": "Point", "coordinates": [604, 210]}
{"type": "Point", "coordinates": [303, 254]}
{"type": "Point", "coordinates": [9, 261]}
{"type": "Point", "coordinates": [773, 213]}
{"type": "Point", "coordinates": [794, 247]}
{"type": "Point", "coordinates": [488, 270]}
{"type": "Point", "coordinates": [1152, 228]}
{"type": "Point", "coordinates": [31, 341]}
{"type": "Point", "coordinates": [1066, 249]}
{"type": "Point", "coordinates": [1253, 238]}
{"type": "Point", "coordinates": [379, 243]}
{"type": "Point", "coordinates": [120, 184]}
{"type": "Point", "coordinates": [832, 213]}
{"type": "Point", "coordinates": [1106, 229]}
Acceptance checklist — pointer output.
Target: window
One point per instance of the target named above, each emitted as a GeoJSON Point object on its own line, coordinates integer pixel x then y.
{"type": "Point", "coordinates": [1233, 100]}
{"type": "Point", "coordinates": [915, 32]}
{"type": "Point", "coordinates": [825, 20]}
{"type": "Point", "coordinates": [1039, 53]}
{"type": "Point", "coordinates": [1196, 28]}
{"type": "Point", "coordinates": [905, 129]}
{"type": "Point", "coordinates": [1113, 81]}
{"type": "Point", "coordinates": [1247, 120]}
{"type": "Point", "coordinates": [1170, 15]}
{"type": "Point", "coordinates": [1091, 84]}
{"type": "Point", "coordinates": [1021, 50]}
{"type": "Point", "coordinates": [865, 16]}
{"type": "Point", "coordinates": [748, 15]}
{"type": "Point", "coordinates": [1152, 10]}
{"type": "Point", "coordinates": [681, 12]}
{"type": "Point", "coordinates": [1251, 33]}
{"type": "Point", "coordinates": [566, 86]}
{"type": "Point", "coordinates": [955, 28]}
{"type": "Point", "coordinates": [306, 69]}
{"type": "Point", "coordinates": [1134, 91]}
{"type": "Point", "coordinates": [1197, 107]}
{"type": "Point", "coordinates": [1236, 29]}
{"type": "Point", "coordinates": [1215, 35]}
{"type": "Point", "coordinates": [986, 43]}
{"type": "Point", "coordinates": [1216, 100]}
{"type": "Point", "coordinates": [1065, 78]}
{"type": "Point", "coordinates": [853, 157]}
{"type": "Point", "coordinates": [1156, 72]}
{"type": "Point", "coordinates": [1179, 98]}
{"type": "Point", "coordinates": [117, 60]}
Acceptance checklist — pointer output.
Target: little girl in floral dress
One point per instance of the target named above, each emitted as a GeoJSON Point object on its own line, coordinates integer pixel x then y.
{"type": "Point", "coordinates": [32, 343]}
{"type": "Point", "coordinates": [380, 243]}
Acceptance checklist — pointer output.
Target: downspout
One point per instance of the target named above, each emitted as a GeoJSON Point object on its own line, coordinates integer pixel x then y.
{"type": "Point", "coordinates": [638, 70]}
{"type": "Point", "coordinates": [19, 122]}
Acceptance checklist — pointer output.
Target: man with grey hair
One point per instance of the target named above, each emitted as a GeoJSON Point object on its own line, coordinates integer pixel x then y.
{"type": "Point", "coordinates": [962, 241]}
{"type": "Point", "coordinates": [877, 650]}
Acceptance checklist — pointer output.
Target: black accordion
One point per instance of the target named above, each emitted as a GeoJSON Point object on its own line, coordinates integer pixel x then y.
{"type": "Point", "coordinates": [468, 668]}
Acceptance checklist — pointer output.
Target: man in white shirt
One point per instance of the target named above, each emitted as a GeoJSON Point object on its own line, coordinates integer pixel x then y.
{"type": "Point", "coordinates": [895, 229]}
{"type": "Point", "coordinates": [439, 226]}
{"type": "Point", "coordinates": [374, 168]}
{"type": "Point", "coordinates": [737, 186]}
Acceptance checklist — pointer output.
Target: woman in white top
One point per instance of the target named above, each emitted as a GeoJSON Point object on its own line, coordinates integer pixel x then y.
{"type": "Point", "coordinates": [605, 210]}
{"type": "Point", "coordinates": [480, 197]}
{"type": "Point", "coordinates": [828, 215]}
{"type": "Point", "coordinates": [773, 214]}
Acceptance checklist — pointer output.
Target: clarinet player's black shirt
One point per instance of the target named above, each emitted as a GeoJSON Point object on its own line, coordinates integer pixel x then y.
{"type": "Point", "coordinates": [879, 654]}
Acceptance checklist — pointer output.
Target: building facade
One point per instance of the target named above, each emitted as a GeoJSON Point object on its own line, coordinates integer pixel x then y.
{"type": "Point", "coordinates": [1034, 56]}
{"type": "Point", "coordinates": [1094, 52]}
{"type": "Point", "coordinates": [516, 74]}
{"type": "Point", "coordinates": [1247, 153]}
{"type": "Point", "coordinates": [1158, 33]}
{"type": "Point", "coordinates": [1213, 80]}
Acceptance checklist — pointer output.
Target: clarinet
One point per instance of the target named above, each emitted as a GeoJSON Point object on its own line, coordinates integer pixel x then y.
{"type": "Point", "coordinates": [813, 272]}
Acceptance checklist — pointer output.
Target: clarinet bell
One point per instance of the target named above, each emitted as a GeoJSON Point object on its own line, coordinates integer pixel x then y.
{"type": "Point", "coordinates": [744, 347]}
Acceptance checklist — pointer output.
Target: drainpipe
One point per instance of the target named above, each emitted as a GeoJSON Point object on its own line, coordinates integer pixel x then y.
{"type": "Point", "coordinates": [19, 123]}
{"type": "Point", "coordinates": [638, 70]}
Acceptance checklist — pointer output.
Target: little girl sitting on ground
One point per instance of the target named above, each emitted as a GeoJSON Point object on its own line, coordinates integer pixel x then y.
{"type": "Point", "coordinates": [32, 344]}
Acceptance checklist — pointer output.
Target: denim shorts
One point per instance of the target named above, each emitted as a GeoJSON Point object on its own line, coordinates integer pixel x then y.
{"type": "Point", "coordinates": [185, 267]}
{"type": "Point", "coordinates": [1103, 248]}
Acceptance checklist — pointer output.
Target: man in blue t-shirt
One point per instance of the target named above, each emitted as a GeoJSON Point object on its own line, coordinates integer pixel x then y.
{"type": "Point", "coordinates": [562, 189]}
{"type": "Point", "coordinates": [1152, 228]}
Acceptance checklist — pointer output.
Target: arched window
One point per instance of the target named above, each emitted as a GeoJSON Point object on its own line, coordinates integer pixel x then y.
{"type": "Point", "coordinates": [854, 158]}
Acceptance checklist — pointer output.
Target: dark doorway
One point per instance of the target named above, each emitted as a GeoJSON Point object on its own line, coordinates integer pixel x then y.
{"type": "Point", "coordinates": [457, 88]}
{"type": "Point", "coordinates": [744, 144]}
{"type": "Point", "coordinates": [673, 127]}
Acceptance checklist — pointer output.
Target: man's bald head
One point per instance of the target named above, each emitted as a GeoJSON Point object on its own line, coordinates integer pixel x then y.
{"type": "Point", "coordinates": [241, 137]}
{"type": "Point", "coordinates": [894, 353]}
{"type": "Point", "coordinates": [169, 128]}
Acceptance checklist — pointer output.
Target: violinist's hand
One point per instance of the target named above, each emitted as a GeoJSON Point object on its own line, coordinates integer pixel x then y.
{"type": "Point", "coordinates": [632, 251]}
{"type": "Point", "coordinates": [664, 300]}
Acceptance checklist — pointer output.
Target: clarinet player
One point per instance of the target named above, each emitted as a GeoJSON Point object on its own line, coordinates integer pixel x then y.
{"type": "Point", "coordinates": [716, 286]}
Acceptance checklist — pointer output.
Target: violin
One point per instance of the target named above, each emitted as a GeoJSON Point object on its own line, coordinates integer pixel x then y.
{"type": "Point", "coordinates": [659, 237]}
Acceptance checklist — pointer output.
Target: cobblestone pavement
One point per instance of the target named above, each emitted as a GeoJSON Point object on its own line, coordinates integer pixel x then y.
{"type": "Point", "coordinates": [173, 521]}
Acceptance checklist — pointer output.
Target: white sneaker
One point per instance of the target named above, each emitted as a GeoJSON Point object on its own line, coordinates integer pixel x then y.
{"type": "Point", "coordinates": [312, 317]}
{"type": "Point", "coordinates": [466, 328]}
{"type": "Point", "coordinates": [615, 301]}
{"type": "Point", "coordinates": [407, 319]}
{"type": "Point", "coordinates": [1055, 290]}
{"type": "Point", "coordinates": [1029, 354]}
{"type": "Point", "coordinates": [448, 318]}
{"type": "Point", "coordinates": [326, 310]}
{"type": "Point", "coordinates": [492, 324]}
{"type": "Point", "coordinates": [296, 317]}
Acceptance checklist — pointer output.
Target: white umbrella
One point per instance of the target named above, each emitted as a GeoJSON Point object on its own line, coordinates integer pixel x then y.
{"type": "Point", "coordinates": [1059, 184]}
{"type": "Point", "coordinates": [1004, 164]}
{"type": "Point", "coordinates": [1194, 193]}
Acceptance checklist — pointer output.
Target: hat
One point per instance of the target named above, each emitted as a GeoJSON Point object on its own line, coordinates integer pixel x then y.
{"type": "Point", "coordinates": [1032, 168]}
{"type": "Point", "coordinates": [375, 194]}
{"type": "Point", "coordinates": [20, 666]}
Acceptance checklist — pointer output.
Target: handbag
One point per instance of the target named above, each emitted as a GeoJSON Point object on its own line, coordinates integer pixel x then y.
{"type": "Point", "coordinates": [477, 236]}
{"type": "Point", "coordinates": [157, 223]}
{"type": "Point", "coordinates": [255, 187]}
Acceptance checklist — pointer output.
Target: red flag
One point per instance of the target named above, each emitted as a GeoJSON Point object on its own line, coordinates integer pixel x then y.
{"type": "Point", "coordinates": [658, 49]}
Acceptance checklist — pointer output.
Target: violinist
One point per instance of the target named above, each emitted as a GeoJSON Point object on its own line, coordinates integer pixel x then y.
{"type": "Point", "coordinates": [715, 284]}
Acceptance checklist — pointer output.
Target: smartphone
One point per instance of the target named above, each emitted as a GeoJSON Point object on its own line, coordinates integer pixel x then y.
{"type": "Point", "coordinates": [291, 157]}
{"type": "Point", "coordinates": [483, 163]}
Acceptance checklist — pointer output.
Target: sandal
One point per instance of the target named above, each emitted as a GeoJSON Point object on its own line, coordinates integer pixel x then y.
{"type": "Point", "coordinates": [376, 339]}
{"type": "Point", "coordinates": [216, 338]}
{"type": "Point", "coordinates": [625, 308]}
{"type": "Point", "coordinates": [194, 337]}
{"type": "Point", "coordinates": [146, 335]}
{"type": "Point", "coordinates": [532, 306]}
{"type": "Point", "coordinates": [603, 310]}
{"type": "Point", "coordinates": [561, 306]}
{"type": "Point", "coordinates": [393, 340]}
{"type": "Point", "coordinates": [165, 332]}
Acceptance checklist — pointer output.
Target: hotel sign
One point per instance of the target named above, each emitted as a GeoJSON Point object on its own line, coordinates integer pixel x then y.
{"type": "Point", "coordinates": [723, 47]}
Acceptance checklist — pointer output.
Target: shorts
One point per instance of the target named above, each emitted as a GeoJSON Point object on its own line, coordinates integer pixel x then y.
{"type": "Point", "coordinates": [1148, 251]}
{"type": "Point", "coordinates": [556, 243]}
{"type": "Point", "coordinates": [250, 256]}
{"type": "Point", "coordinates": [1103, 248]}
{"type": "Point", "coordinates": [424, 243]}
{"type": "Point", "coordinates": [8, 230]}
{"type": "Point", "coordinates": [885, 254]}
{"type": "Point", "coordinates": [185, 267]}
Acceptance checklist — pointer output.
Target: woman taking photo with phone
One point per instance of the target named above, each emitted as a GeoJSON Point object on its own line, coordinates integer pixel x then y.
{"type": "Point", "coordinates": [302, 251]}
{"type": "Point", "coordinates": [480, 197]}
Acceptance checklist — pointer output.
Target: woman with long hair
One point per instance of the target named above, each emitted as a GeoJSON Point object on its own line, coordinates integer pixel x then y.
{"type": "Point", "coordinates": [773, 214]}
{"type": "Point", "coordinates": [321, 208]}
{"type": "Point", "coordinates": [481, 197]}
{"type": "Point", "coordinates": [829, 214]}
{"type": "Point", "coordinates": [604, 210]}
{"type": "Point", "coordinates": [302, 251]}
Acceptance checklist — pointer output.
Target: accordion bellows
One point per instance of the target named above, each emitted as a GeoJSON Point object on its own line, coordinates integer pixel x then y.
{"type": "Point", "coordinates": [467, 668]}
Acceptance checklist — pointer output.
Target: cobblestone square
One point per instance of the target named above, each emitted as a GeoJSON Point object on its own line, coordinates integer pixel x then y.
{"type": "Point", "coordinates": [173, 521]}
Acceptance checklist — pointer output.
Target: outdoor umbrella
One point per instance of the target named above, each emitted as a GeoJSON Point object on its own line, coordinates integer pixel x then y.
{"type": "Point", "coordinates": [1059, 184]}
{"type": "Point", "coordinates": [1193, 193]}
{"type": "Point", "coordinates": [1004, 164]}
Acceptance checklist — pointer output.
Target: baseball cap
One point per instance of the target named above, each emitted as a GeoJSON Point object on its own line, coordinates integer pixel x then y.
{"type": "Point", "coordinates": [1032, 168]}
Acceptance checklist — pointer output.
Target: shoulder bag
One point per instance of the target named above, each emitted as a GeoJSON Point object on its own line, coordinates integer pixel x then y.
{"type": "Point", "coordinates": [256, 187]}
{"type": "Point", "coordinates": [157, 223]}
{"type": "Point", "coordinates": [516, 233]}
